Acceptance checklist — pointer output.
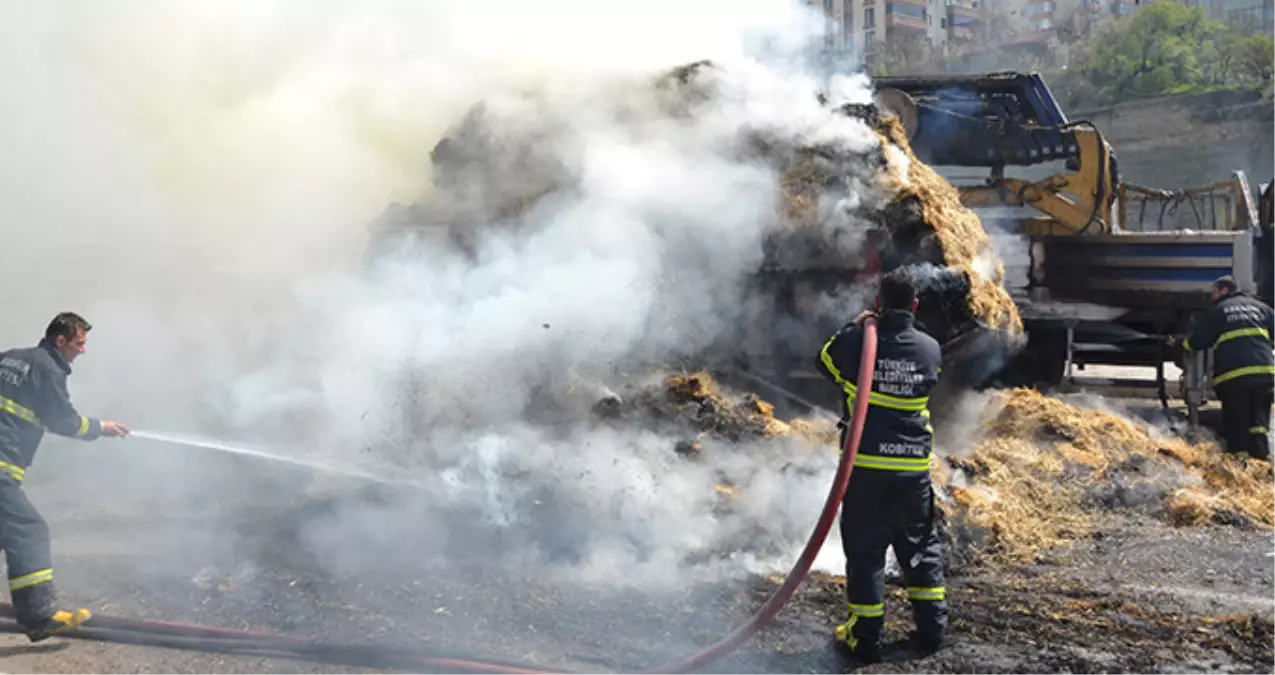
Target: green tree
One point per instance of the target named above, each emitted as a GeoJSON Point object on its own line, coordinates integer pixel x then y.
{"type": "Point", "coordinates": [1255, 59]}
{"type": "Point", "coordinates": [1162, 48]}
{"type": "Point", "coordinates": [1151, 53]}
{"type": "Point", "coordinates": [1217, 56]}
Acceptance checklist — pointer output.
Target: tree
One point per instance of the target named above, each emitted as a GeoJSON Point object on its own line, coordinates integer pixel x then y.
{"type": "Point", "coordinates": [1152, 52]}
{"type": "Point", "coordinates": [1162, 48]}
{"type": "Point", "coordinates": [904, 55]}
{"type": "Point", "coordinates": [1075, 23]}
{"type": "Point", "coordinates": [1255, 58]}
{"type": "Point", "coordinates": [1218, 56]}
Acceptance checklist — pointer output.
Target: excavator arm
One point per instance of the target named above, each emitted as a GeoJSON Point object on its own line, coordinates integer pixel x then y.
{"type": "Point", "coordinates": [1009, 119]}
{"type": "Point", "coordinates": [1076, 202]}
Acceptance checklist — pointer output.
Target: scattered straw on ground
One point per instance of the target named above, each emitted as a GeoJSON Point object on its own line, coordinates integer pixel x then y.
{"type": "Point", "coordinates": [1031, 482]}
{"type": "Point", "coordinates": [1041, 472]}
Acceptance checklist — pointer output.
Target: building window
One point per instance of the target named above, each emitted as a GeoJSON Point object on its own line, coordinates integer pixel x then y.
{"type": "Point", "coordinates": [869, 37]}
{"type": "Point", "coordinates": [1043, 24]}
{"type": "Point", "coordinates": [869, 17]}
{"type": "Point", "coordinates": [942, 22]}
{"type": "Point", "coordinates": [905, 8]}
{"type": "Point", "coordinates": [959, 20]}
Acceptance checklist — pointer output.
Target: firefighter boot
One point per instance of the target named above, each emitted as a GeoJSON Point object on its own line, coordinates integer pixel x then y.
{"type": "Point", "coordinates": [931, 624]}
{"type": "Point", "coordinates": [862, 635]}
{"type": "Point", "coordinates": [1259, 446]}
{"type": "Point", "coordinates": [61, 622]}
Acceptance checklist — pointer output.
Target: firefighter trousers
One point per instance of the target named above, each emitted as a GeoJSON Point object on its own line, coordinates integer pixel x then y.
{"type": "Point", "coordinates": [24, 536]}
{"type": "Point", "coordinates": [1246, 417]}
{"type": "Point", "coordinates": [888, 509]}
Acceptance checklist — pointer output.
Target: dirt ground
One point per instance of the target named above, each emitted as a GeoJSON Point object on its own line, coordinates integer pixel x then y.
{"type": "Point", "coordinates": [1136, 596]}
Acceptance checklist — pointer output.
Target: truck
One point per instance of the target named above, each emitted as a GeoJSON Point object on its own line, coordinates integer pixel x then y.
{"type": "Point", "coordinates": [1102, 270]}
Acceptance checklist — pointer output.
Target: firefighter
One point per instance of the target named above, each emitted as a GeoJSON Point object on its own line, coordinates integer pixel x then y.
{"type": "Point", "coordinates": [33, 397]}
{"type": "Point", "coordinates": [1239, 328]}
{"type": "Point", "coordinates": [889, 502]}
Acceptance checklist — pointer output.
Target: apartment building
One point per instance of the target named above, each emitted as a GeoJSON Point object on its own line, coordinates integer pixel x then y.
{"type": "Point", "coordinates": [1026, 22]}
{"type": "Point", "coordinates": [1255, 15]}
{"type": "Point", "coordinates": [862, 26]}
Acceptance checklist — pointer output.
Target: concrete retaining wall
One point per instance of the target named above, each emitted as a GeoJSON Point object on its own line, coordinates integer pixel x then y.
{"type": "Point", "coordinates": [1178, 141]}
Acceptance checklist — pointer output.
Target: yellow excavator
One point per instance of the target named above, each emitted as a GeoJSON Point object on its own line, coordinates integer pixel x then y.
{"type": "Point", "coordinates": [1106, 267]}
{"type": "Point", "coordinates": [1011, 119]}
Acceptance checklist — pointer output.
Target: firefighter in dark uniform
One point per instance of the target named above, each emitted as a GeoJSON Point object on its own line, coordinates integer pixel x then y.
{"type": "Point", "coordinates": [33, 398]}
{"type": "Point", "coordinates": [890, 502]}
{"type": "Point", "coordinates": [1239, 328]}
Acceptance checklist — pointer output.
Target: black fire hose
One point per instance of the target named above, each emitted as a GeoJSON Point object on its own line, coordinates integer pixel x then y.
{"type": "Point", "coordinates": [248, 643]}
{"type": "Point", "coordinates": [195, 637]}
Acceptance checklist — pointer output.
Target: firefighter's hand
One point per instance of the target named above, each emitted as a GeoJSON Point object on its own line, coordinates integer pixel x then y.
{"type": "Point", "coordinates": [864, 316]}
{"type": "Point", "coordinates": [114, 429]}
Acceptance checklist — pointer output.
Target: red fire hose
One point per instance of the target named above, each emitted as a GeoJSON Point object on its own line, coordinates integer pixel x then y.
{"type": "Point", "coordinates": [208, 638]}
{"type": "Point", "coordinates": [867, 364]}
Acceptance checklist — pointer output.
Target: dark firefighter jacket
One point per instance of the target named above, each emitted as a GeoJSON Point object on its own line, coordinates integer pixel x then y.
{"type": "Point", "coordinates": [33, 398]}
{"type": "Point", "coordinates": [896, 434]}
{"type": "Point", "coordinates": [1239, 328]}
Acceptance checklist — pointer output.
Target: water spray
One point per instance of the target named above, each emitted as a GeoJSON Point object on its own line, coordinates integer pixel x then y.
{"type": "Point", "coordinates": [205, 638]}
{"type": "Point", "coordinates": [310, 464]}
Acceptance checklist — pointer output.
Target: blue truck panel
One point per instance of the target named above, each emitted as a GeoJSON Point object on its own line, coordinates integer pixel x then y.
{"type": "Point", "coordinates": [1142, 270]}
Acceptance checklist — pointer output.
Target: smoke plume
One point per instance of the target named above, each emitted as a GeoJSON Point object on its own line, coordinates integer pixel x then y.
{"type": "Point", "coordinates": [197, 180]}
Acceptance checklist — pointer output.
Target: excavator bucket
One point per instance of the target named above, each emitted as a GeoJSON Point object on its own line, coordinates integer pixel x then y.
{"type": "Point", "coordinates": [979, 120]}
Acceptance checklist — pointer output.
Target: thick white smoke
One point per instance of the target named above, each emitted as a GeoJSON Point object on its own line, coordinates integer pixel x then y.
{"type": "Point", "coordinates": [196, 180]}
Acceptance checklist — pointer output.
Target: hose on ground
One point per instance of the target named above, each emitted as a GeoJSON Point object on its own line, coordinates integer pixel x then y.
{"type": "Point", "coordinates": [768, 611]}
{"type": "Point", "coordinates": [194, 637]}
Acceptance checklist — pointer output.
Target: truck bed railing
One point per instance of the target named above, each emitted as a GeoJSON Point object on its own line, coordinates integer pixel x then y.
{"type": "Point", "coordinates": [1223, 206]}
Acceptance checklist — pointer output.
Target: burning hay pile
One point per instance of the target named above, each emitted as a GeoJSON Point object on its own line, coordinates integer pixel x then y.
{"type": "Point", "coordinates": [1041, 473]}
{"type": "Point", "coordinates": [694, 406]}
{"type": "Point", "coordinates": [505, 162]}
{"type": "Point", "coordinates": [1044, 469]}
{"type": "Point", "coordinates": [965, 243]}
{"type": "Point", "coordinates": [924, 217]}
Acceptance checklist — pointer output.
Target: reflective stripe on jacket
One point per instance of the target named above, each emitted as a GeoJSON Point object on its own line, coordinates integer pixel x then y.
{"type": "Point", "coordinates": [897, 435]}
{"type": "Point", "coordinates": [33, 399]}
{"type": "Point", "coordinates": [1239, 329]}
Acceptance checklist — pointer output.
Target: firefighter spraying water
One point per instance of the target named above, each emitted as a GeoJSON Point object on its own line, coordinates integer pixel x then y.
{"type": "Point", "coordinates": [34, 397]}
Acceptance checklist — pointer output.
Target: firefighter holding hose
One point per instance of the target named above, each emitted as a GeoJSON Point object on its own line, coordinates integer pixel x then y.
{"type": "Point", "coordinates": [890, 501]}
{"type": "Point", "coordinates": [33, 398]}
